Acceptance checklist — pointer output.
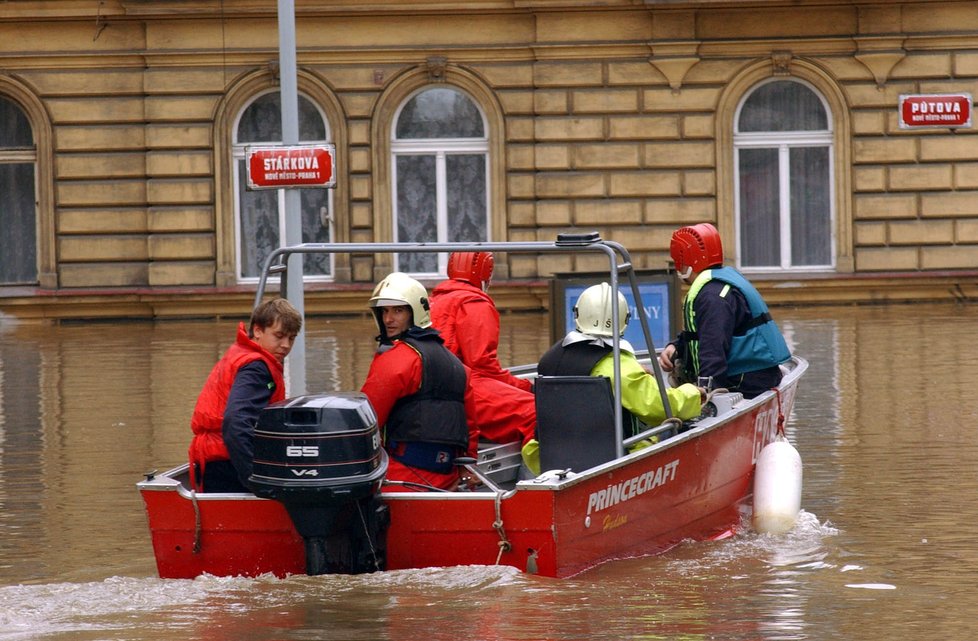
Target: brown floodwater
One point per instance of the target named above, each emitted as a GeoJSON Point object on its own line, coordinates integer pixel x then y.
{"type": "Point", "coordinates": [884, 547]}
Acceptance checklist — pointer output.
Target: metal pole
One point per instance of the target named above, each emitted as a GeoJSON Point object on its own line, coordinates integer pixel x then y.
{"type": "Point", "coordinates": [616, 355]}
{"type": "Point", "coordinates": [296, 368]}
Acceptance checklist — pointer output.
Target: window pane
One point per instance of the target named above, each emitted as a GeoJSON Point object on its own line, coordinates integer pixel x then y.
{"type": "Point", "coordinates": [783, 106]}
{"type": "Point", "coordinates": [315, 229]}
{"type": "Point", "coordinates": [259, 226]}
{"type": "Point", "coordinates": [311, 123]}
{"type": "Point", "coordinates": [18, 241]}
{"type": "Point", "coordinates": [15, 129]}
{"type": "Point", "coordinates": [466, 176]}
{"type": "Point", "coordinates": [262, 120]}
{"type": "Point", "coordinates": [417, 212]}
{"type": "Point", "coordinates": [760, 231]}
{"type": "Point", "coordinates": [811, 233]}
{"type": "Point", "coordinates": [440, 113]}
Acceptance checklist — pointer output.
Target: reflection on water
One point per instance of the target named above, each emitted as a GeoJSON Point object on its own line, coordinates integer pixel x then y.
{"type": "Point", "coordinates": [884, 547]}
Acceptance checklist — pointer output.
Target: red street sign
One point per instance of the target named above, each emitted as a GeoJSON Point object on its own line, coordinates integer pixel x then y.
{"type": "Point", "coordinates": [290, 166]}
{"type": "Point", "coordinates": [935, 110]}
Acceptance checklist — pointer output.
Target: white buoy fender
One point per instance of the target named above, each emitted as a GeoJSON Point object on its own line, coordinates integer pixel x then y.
{"type": "Point", "coordinates": [777, 487]}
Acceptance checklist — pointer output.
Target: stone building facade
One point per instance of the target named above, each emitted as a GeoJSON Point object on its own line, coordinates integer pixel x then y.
{"type": "Point", "coordinates": [777, 120]}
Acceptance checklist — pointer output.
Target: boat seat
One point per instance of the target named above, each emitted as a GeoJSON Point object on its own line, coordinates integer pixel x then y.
{"type": "Point", "coordinates": [575, 422]}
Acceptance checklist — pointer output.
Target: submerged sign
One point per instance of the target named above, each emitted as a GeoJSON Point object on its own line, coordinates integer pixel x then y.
{"type": "Point", "coordinates": [290, 166]}
{"type": "Point", "coordinates": [935, 110]}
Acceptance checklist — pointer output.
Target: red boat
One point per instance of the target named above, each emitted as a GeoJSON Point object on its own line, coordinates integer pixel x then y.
{"type": "Point", "coordinates": [595, 501]}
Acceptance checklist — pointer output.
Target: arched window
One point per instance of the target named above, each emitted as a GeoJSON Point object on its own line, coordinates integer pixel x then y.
{"type": "Point", "coordinates": [18, 197]}
{"type": "Point", "coordinates": [785, 194]}
{"type": "Point", "coordinates": [440, 166]}
{"type": "Point", "coordinates": [260, 214]}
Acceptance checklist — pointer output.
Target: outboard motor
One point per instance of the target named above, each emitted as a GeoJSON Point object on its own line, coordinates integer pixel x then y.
{"type": "Point", "coordinates": [320, 455]}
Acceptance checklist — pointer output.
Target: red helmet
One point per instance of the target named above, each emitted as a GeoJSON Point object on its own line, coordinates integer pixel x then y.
{"type": "Point", "coordinates": [474, 268]}
{"type": "Point", "coordinates": [696, 248]}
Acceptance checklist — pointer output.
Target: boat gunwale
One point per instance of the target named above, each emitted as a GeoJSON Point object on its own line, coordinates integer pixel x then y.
{"type": "Point", "coordinates": [167, 481]}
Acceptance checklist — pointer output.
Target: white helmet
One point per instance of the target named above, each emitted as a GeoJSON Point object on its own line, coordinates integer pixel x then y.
{"type": "Point", "coordinates": [400, 289]}
{"type": "Point", "coordinates": [592, 311]}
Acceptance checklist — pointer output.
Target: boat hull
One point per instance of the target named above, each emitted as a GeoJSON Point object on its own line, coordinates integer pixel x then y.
{"type": "Point", "coordinates": [694, 486]}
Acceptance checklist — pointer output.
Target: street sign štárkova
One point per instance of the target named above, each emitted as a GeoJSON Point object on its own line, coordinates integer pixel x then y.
{"type": "Point", "coordinates": [935, 110]}
{"type": "Point", "coordinates": [291, 166]}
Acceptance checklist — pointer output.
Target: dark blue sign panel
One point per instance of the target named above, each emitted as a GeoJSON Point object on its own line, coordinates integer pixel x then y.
{"type": "Point", "coordinates": [658, 301]}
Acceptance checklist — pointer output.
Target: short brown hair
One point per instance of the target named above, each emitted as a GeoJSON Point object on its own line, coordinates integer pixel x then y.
{"type": "Point", "coordinates": [275, 309]}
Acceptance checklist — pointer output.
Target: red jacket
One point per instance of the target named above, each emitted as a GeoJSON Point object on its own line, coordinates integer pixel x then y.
{"type": "Point", "coordinates": [468, 322]}
{"type": "Point", "coordinates": [501, 413]}
{"type": "Point", "coordinates": [207, 443]}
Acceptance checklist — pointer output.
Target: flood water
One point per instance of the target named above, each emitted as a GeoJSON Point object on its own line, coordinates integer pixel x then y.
{"type": "Point", "coordinates": [885, 546]}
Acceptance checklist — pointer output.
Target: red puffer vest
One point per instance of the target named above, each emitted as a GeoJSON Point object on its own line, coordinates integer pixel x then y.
{"type": "Point", "coordinates": [208, 444]}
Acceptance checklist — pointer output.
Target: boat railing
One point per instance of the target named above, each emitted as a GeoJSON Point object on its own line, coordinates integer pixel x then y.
{"type": "Point", "coordinates": [280, 261]}
{"type": "Point", "coordinates": [670, 426]}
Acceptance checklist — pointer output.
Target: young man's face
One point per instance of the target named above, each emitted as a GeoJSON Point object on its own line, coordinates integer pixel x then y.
{"type": "Point", "coordinates": [274, 340]}
{"type": "Point", "coordinates": [397, 319]}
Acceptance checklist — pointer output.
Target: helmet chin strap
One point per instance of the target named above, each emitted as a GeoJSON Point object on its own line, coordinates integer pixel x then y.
{"type": "Point", "coordinates": [686, 273]}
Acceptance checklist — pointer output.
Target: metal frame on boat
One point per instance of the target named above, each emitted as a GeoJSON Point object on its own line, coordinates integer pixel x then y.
{"type": "Point", "coordinates": [695, 483]}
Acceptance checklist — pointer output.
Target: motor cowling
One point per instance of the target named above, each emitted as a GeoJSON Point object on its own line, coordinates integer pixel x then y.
{"type": "Point", "coordinates": [321, 457]}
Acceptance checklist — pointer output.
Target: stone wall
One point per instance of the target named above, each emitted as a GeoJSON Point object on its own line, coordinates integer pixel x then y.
{"type": "Point", "coordinates": [612, 116]}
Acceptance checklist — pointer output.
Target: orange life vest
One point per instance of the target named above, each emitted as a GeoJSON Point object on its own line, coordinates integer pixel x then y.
{"type": "Point", "coordinates": [208, 444]}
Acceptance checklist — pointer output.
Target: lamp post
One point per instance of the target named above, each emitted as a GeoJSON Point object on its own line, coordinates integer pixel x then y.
{"type": "Point", "coordinates": [296, 368]}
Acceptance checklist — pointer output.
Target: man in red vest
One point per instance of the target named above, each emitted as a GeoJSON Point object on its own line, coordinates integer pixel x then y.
{"type": "Point", "coordinates": [248, 378]}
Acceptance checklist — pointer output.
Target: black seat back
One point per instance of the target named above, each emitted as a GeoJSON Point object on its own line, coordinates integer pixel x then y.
{"type": "Point", "coordinates": [575, 422]}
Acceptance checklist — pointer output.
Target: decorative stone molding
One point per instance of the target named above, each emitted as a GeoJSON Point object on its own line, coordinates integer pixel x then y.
{"type": "Point", "coordinates": [674, 60]}
{"type": "Point", "coordinates": [880, 56]}
{"type": "Point", "coordinates": [436, 68]}
{"type": "Point", "coordinates": [782, 63]}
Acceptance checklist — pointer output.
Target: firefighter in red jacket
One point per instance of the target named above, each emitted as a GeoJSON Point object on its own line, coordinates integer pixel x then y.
{"type": "Point", "coordinates": [418, 390]}
{"type": "Point", "coordinates": [467, 318]}
{"type": "Point", "coordinates": [248, 378]}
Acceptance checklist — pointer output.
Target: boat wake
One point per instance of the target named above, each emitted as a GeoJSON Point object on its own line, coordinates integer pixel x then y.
{"type": "Point", "coordinates": [125, 607]}
{"type": "Point", "coordinates": [36, 611]}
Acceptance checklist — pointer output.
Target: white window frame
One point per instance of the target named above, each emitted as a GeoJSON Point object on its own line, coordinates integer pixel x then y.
{"type": "Point", "coordinates": [440, 148]}
{"type": "Point", "coordinates": [23, 156]}
{"type": "Point", "coordinates": [784, 141]}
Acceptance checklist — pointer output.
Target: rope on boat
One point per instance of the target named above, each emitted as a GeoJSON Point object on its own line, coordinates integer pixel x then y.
{"type": "Point", "coordinates": [713, 392]}
{"type": "Point", "coordinates": [777, 393]}
{"type": "Point", "coordinates": [197, 528]}
{"type": "Point", "coordinates": [675, 421]}
{"type": "Point", "coordinates": [504, 544]}
{"type": "Point", "coordinates": [370, 539]}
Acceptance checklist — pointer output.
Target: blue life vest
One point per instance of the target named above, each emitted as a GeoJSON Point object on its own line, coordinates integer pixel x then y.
{"type": "Point", "coordinates": [756, 346]}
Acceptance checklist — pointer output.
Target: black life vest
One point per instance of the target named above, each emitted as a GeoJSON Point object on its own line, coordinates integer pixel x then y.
{"type": "Point", "coordinates": [576, 359]}
{"type": "Point", "coordinates": [579, 359]}
{"type": "Point", "coordinates": [436, 412]}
